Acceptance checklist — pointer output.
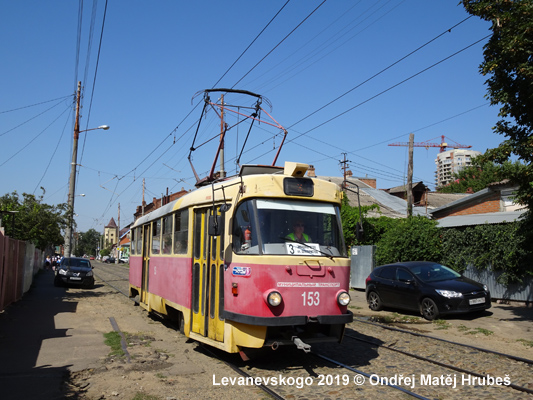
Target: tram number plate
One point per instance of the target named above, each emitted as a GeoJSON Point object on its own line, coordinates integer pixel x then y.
{"type": "Point", "coordinates": [75, 278]}
{"type": "Point", "coordinates": [479, 300]}
{"type": "Point", "coordinates": [308, 249]}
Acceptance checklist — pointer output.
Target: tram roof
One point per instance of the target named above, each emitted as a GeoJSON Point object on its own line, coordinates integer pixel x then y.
{"type": "Point", "coordinates": [200, 195]}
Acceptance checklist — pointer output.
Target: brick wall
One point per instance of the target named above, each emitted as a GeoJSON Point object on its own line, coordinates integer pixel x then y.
{"type": "Point", "coordinates": [486, 205]}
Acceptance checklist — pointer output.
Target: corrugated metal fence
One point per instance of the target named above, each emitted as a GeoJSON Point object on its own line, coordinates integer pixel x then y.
{"type": "Point", "coordinates": [516, 292]}
{"type": "Point", "coordinates": [19, 262]}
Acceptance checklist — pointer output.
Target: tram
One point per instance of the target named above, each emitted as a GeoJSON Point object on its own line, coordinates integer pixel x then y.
{"type": "Point", "coordinates": [224, 262]}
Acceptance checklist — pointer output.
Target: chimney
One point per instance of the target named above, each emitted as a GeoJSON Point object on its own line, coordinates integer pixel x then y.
{"type": "Point", "coordinates": [311, 171]}
{"type": "Point", "coordinates": [349, 173]}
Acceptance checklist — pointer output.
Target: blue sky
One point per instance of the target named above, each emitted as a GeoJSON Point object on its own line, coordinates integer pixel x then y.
{"type": "Point", "coordinates": [338, 78]}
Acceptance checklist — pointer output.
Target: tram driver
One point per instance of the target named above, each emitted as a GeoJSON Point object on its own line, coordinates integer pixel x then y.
{"type": "Point", "coordinates": [298, 234]}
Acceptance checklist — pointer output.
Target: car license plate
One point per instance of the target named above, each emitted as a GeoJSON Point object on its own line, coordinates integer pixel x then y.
{"type": "Point", "coordinates": [476, 301]}
{"type": "Point", "coordinates": [77, 278]}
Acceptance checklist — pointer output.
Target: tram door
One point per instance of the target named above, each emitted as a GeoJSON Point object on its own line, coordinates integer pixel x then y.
{"type": "Point", "coordinates": [146, 264]}
{"type": "Point", "coordinates": [207, 278]}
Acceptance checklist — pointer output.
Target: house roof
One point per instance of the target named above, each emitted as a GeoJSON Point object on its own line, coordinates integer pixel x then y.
{"type": "Point", "coordinates": [390, 206]}
{"type": "Point", "coordinates": [479, 195]}
{"type": "Point", "coordinates": [111, 224]}
{"type": "Point", "coordinates": [480, 219]}
{"type": "Point", "coordinates": [436, 200]}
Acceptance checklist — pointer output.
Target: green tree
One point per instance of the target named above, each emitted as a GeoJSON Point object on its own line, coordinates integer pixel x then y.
{"type": "Point", "coordinates": [88, 242]}
{"type": "Point", "coordinates": [410, 239]}
{"type": "Point", "coordinates": [509, 66]}
{"type": "Point", "coordinates": [480, 174]}
{"type": "Point", "coordinates": [35, 221]}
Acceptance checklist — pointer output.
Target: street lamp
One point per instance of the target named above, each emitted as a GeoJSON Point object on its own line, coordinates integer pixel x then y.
{"type": "Point", "coordinates": [72, 180]}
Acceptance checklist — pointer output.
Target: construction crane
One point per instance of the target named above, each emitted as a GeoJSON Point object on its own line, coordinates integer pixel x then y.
{"type": "Point", "coordinates": [427, 144]}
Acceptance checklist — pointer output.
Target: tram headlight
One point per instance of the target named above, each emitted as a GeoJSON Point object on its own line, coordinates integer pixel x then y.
{"type": "Point", "coordinates": [343, 298]}
{"type": "Point", "coordinates": [274, 298]}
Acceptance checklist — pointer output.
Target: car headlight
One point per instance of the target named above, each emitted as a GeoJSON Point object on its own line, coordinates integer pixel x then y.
{"type": "Point", "coordinates": [274, 298]}
{"type": "Point", "coordinates": [62, 271]}
{"type": "Point", "coordinates": [343, 298]}
{"type": "Point", "coordinates": [485, 288]}
{"type": "Point", "coordinates": [90, 273]}
{"type": "Point", "coordinates": [449, 293]}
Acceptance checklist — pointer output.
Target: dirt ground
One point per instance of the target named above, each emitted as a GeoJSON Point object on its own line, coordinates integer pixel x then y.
{"type": "Point", "coordinates": [163, 364]}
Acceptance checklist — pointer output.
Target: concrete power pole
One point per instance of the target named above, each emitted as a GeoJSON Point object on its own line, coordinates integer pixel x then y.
{"type": "Point", "coordinates": [410, 176]}
{"type": "Point", "coordinates": [72, 182]}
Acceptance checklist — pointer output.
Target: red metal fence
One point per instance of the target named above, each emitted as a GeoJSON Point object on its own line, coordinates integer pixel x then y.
{"type": "Point", "coordinates": [19, 262]}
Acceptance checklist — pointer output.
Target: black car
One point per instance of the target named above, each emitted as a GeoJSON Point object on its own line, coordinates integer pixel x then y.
{"type": "Point", "coordinates": [428, 287]}
{"type": "Point", "coordinates": [74, 271]}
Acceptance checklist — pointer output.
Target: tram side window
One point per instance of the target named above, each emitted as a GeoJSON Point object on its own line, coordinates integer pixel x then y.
{"type": "Point", "coordinates": [244, 230]}
{"type": "Point", "coordinates": [181, 231]}
{"type": "Point", "coordinates": [156, 236]}
{"type": "Point", "coordinates": [138, 236]}
{"type": "Point", "coordinates": [133, 243]}
{"type": "Point", "coordinates": [166, 244]}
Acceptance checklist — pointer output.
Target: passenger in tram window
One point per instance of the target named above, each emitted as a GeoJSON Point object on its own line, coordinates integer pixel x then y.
{"type": "Point", "coordinates": [298, 234]}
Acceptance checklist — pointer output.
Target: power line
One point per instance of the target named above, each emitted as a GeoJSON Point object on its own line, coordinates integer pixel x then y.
{"type": "Point", "coordinates": [250, 45]}
{"type": "Point", "coordinates": [277, 45]}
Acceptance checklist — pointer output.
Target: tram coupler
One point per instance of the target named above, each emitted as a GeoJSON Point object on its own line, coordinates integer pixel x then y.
{"type": "Point", "coordinates": [300, 345]}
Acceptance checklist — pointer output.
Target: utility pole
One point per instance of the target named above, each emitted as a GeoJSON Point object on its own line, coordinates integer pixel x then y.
{"type": "Point", "coordinates": [222, 128]}
{"type": "Point", "coordinates": [143, 200]}
{"type": "Point", "coordinates": [410, 176]}
{"type": "Point", "coordinates": [72, 181]}
{"type": "Point", "coordinates": [118, 235]}
{"type": "Point", "coordinates": [344, 167]}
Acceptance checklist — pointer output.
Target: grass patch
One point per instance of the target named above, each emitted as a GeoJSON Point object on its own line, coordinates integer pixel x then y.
{"type": "Point", "coordinates": [441, 324]}
{"type": "Point", "coordinates": [112, 339]}
{"type": "Point", "coordinates": [396, 318]}
{"type": "Point", "coordinates": [462, 328]}
{"type": "Point", "coordinates": [474, 331]}
{"type": "Point", "coordinates": [527, 343]}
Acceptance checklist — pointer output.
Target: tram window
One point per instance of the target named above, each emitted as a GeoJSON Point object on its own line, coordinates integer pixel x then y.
{"type": "Point", "coordinates": [156, 236]}
{"type": "Point", "coordinates": [244, 230]}
{"type": "Point", "coordinates": [212, 289]}
{"type": "Point", "coordinates": [166, 244]}
{"type": "Point", "coordinates": [197, 234]}
{"type": "Point", "coordinates": [139, 240]}
{"type": "Point", "coordinates": [221, 291]}
{"type": "Point", "coordinates": [133, 242]}
{"type": "Point", "coordinates": [268, 226]}
{"type": "Point", "coordinates": [181, 231]}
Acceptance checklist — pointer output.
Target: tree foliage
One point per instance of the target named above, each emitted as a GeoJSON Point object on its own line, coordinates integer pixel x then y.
{"type": "Point", "coordinates": [410, 239]}
{"type": "Point", "coordinates": [34, 221]}
{"type": "Point", "coordinates": [501, 248]}
{"type": "Point", "coordinates": [87, 243]}
{"type": "Point", "coordinates": [480, 174]}
{"type": "Point", "coordinates": [509, 66]}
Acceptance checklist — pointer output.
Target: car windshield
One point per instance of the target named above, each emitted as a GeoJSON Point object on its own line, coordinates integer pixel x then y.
{"type": "Point", "coordinates": [434, 273]}
{"type": "Point", "coordinates": [276, 226]}
{"type": "Point", "coordinates": [74, 262]}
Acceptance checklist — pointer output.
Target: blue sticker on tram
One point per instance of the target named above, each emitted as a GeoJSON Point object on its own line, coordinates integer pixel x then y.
{"type": "Point", "coordinates": [241, 271]}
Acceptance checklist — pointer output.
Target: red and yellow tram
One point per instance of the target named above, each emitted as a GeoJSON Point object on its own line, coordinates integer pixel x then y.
{"type": "Point", "coordinates": [223, 261]}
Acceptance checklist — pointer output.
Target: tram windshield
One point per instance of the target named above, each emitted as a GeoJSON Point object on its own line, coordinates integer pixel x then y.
{"type": "Point", "coordinates": [288, 227]}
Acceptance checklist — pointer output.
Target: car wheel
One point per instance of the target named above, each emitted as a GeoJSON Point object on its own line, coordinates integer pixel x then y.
{"type": "Point", "coordinates": [429, 309]}
{"type": "Point", "coordinates": [374, 301]}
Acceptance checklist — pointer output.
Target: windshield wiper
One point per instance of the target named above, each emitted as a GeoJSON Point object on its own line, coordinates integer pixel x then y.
{"type": "Point", "coordinates": [306, 245]}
